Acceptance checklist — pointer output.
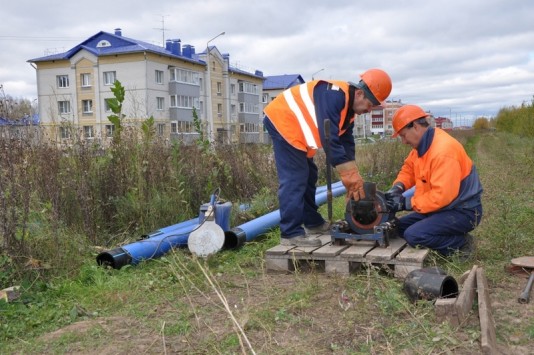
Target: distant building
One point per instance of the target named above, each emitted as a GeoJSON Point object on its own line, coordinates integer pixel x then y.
{"type": "Point", "coordinates": [444, 123]}
{"type": "Point", "coordinates": [378, 121]}
{"type": "Point", "coordinates": [275, 84]}
{"type": "Point", "coordinates": [164, 82]}
{"type": "Point", "coordinates": [272, 87]}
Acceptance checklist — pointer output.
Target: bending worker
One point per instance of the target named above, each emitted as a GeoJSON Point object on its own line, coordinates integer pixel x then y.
{"type": "Point", "coordinates": [447, 197]}
{"type": "Point", "coordinates": [295, 122]}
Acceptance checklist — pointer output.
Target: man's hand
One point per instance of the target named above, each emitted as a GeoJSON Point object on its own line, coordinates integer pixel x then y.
{"type": "Point", "coordinates": [394, 200]}
{"type": "Point", "coordinates": [351, 179]}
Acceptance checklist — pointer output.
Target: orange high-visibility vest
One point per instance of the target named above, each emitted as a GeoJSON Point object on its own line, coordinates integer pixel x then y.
{"type": "Point", "coordinates": [293, 114]}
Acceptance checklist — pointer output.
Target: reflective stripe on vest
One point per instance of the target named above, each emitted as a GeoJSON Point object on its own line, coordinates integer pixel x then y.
{"type": "Point", "coordinates": [294, 107]}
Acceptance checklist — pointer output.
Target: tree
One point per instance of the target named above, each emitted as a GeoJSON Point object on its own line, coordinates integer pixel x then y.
{"type": "Point", "coordinates": [12, 108]}
{"type": "Point", "coordinates": [481, 123]}
{"type": "Point", "coordinates": [115, 105]}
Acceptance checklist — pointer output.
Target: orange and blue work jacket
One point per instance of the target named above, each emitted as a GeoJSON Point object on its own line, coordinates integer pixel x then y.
{"type": "Point", "coordinates": [299, 112]}
{"type": "Point", "coordinates": [443, 174]}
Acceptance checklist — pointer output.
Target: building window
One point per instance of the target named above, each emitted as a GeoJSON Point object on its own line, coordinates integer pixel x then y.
{"type": "Point", "coordinates": [62, 81]}
{"type": "Point", "coordinates": [184, 101]}
{"type": "Point", "coordinates": [87, 106]}
{"type": "Point", "coordinates": [159, 77]}
{"type": "Point", "coordinates": [265, 98]}
{"type": "Point", "coordinates": [247, 107]}
{"type": "Point", "coordinates": [109, 77]}
{"type": "Point", "coordinates": [219, 88]}
{"type": "Point", "coordinates": [185, 127]}
{"type": "Point", "coordinates": [85, 80]}
{"type": "Point", "coordinates": [232, 89]}
{"type": "Point", "coordinates": [88, 131]}
{"type": "Point", "coordinates": [64, 132]}
{"type": "Point", "coordinates": [219, 109]}
{"type": "Point", "coordinates": [110, 129]}
{"type": "Point", "coordinates": [249, 128]}
{"type": "Point", "coordinates": [63, 107]}
{"type": "Point", "coordinates": [185, 76]}
{"type": "Point", "coordinates": [174, 127]}
{"type": "Point", "coordinates": [160, 103]}
{"type": "Point", "coordinates": [248, 88]}
{"type": "Point", "coordinates": [107, 108]}
{"type": "Point", "coordinates": [161, 129]}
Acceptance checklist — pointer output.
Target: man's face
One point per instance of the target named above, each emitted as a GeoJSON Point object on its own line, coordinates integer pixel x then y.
{"type": "Point", "coordinates": [361, 103]}
{"type": "Point", "coordinates": [412, 135]}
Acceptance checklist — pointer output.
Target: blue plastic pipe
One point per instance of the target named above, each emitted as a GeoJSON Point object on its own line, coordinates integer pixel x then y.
{"type": "Point", "coordinates": [248, 231]}
{"type": "Point", "coordinates": [159, 242]}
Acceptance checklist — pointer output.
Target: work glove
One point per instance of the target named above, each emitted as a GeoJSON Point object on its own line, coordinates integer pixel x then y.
{"type": "Point", "coordinates": [351, 179]}
{"type": "Point", "coordinates": [394, 200]}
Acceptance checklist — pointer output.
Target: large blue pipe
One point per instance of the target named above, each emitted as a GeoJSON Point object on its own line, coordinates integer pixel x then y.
{"type": "Point", "coordinates": [248, 231]}
{"type": "Point", "coordinates": [159, 242]}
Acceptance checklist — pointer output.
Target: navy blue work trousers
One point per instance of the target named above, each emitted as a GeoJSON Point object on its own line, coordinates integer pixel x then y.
{"type": "Point", "coordinates": [443, 231]}
{"type": "Point", "coordinates": [297, 176]}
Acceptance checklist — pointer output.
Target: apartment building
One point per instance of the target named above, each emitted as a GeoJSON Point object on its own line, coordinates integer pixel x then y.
{"type": "Point", "coordinates": [168, 83]}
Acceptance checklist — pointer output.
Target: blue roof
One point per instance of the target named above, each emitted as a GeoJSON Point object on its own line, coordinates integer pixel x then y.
{"type": "Point", "coordinates": [118, 45]}
{"type": "Point", "coordinates": [282, 81]}
{"type": "Point", "coordinates": [121, 45]}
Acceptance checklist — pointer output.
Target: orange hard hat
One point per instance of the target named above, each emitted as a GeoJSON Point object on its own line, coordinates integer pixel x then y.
{"type": "Point", "coordinates": [379, 83]}
{"type": "Point", "coordinates": [405, 115]}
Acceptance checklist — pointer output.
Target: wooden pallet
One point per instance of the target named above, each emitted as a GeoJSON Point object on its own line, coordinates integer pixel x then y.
{"type": "Point", "coordinates": [345, 259]}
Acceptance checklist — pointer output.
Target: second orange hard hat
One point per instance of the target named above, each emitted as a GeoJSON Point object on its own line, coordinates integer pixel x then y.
{"type": "Point", "coordinates": [405, 115]}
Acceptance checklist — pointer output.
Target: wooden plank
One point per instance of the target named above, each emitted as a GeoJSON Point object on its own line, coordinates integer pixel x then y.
{"type": "Point", "coordinates": [488, 339]}
{"type": "Point", "coordinates": [329, 250]}
{"type": "Point", "coordinates": [358, 251]}
{"type": "Point", "coordinates": [384, 254]}
{"type": "Point", "coordinates": [465, 299]}
{"type": "Point", "coordinates": [445, 309]}
{"type": "Point", "coordinates": [412, 255]}
{"type": "Point", "coordinates": [304, 251]}
{"type": "Point", "coordinates": [278, 250]}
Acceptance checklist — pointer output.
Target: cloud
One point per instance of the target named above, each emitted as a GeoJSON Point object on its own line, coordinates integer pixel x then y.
{"type": "Point", "coordinates": [452, 57]}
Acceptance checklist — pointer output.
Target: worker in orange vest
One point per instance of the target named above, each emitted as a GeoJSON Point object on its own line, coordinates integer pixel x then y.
{"type": "Point", "coordinates": [295, 122]}
{"type": "Point", "coordinates": [439, 182]}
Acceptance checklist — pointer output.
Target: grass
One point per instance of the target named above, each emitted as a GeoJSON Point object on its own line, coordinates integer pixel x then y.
{"type": "Point", "coordinates": [228, 303]}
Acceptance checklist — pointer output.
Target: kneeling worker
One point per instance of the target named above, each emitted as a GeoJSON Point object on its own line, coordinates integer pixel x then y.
{"type": "Point", "coordinates": [447, 197]}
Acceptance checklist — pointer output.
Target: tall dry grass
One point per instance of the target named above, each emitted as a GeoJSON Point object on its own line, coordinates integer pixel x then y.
{"type": "Point", "coordinates": [59, 202]}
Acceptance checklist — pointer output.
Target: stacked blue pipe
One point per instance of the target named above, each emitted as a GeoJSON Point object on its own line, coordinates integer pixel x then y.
{"type": "Point", "coordinates": [158, 243]}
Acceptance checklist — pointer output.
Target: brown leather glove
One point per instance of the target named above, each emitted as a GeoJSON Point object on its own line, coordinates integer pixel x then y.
{"type": "Point", "coordinates": [351, 179]}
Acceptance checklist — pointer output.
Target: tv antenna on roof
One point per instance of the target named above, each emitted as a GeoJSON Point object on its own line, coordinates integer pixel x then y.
{"type": "Point", "coordinates": [162, 29]}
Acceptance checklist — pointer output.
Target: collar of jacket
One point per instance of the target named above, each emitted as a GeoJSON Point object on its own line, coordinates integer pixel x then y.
{"type": "Point", "coordinates": [426, 142]}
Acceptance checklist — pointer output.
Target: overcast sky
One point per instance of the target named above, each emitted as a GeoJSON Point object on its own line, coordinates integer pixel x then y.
{"type": "Point", "coordinates": [456, 58]}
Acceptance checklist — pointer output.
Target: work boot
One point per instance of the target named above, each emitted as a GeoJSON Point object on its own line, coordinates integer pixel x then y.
{"type": "Point", "coordinates": [465, 252]}
{"type": "Point", "coordinates": [320, 229]}
{"type": "Point", "coordinates": [301, 241]}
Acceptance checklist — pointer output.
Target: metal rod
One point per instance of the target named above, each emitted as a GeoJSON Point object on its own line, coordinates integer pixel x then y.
{"type": "Point", "coordinates": [328, 168]}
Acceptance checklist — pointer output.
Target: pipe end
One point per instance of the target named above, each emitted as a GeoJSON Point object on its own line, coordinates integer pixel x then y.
{"type": "Point", "coordinates": [234, 238]}
{"type": "Point", "coordinates": [115, 258]}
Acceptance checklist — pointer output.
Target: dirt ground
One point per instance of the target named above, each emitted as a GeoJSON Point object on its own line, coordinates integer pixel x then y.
{"type": "Point", "coordinates": [332, 328]}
